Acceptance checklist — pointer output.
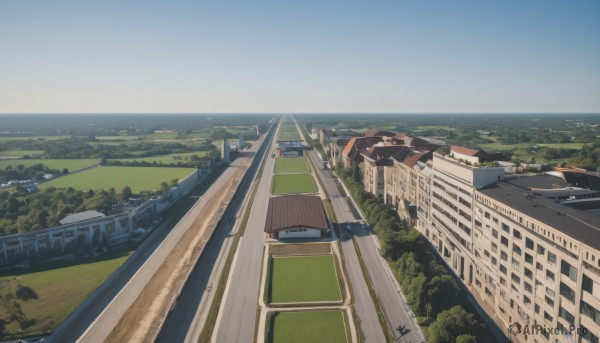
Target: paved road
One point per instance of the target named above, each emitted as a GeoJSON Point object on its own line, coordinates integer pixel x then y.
{"type": "Point", "coordinates": [85, 315]}
{"type": "Point", "coordinates": [384, 285]}
{"type": "Point", "coordinates": [237, 315]}
{"type": "Point", "coordinates": [194, 301]}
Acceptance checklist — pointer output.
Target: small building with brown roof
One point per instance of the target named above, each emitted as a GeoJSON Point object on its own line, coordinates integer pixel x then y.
{"type": "Point", "coordinates": [296, 216]}
{"type": "Point", "coordinates": [474, 156]}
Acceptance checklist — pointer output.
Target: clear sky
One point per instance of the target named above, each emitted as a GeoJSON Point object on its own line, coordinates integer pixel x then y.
{"type": "Point", "coordinates": [299, 56]}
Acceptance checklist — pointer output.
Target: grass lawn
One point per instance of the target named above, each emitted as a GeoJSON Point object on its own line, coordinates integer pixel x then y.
{"type": "Point", "coordinates": [300, 249]}
{"type": "Point", "coordinates": [138, 178]}
{"type": "Point", "coordinates": [304, 279]}
{"type": "Point", "coordinates": [291, 165]}
{"type": "Point", "coordinates": [292, 183]}
{"type": "Point", "coordinates": [59, 164]}
{"type": "Point", "coordinates": [308, 326]}
{"type": "Point", "coordinates": [56, 293]}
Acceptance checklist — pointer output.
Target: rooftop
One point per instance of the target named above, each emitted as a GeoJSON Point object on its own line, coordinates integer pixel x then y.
{"type": "Point", "coordinates": [81, 216]}
{"type": "Point", "coordinates": [580, 225]}
{"type": "Point", "coordinates": [295, 211]}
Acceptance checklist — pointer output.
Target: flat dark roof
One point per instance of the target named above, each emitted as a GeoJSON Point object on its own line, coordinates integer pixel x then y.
{"type": "Point", "coordinates": [537, 181]}
{"type": "Point", "coordinates": [291, 211]}
{"type": "Point", "coordinates": [580, 225]}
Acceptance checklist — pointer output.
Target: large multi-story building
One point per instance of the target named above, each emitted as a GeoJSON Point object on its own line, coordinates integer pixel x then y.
{"type": "Point", "coordinates": [526, 247]}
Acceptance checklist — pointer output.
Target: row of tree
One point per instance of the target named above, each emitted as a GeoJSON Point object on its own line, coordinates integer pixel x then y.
{"type": "Point", "coordinates": [21, 212]}
{"type": "Point", "coordinates": [430, 290]}
{"type": "Point", "coordinates": [20, 172]}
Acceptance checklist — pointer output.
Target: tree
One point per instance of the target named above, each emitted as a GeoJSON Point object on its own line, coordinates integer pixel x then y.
{"type": "Point", "coordinates": [466, 339]}
{"type": "Point", "coordinates": [65, 171]}
{"type": "Point", "coordinates": [164, 187]}
{"type": "Point", "coordinates": [126, 193]}
{"type": "Point", "coordinates": [174, 182]}
{"type": "Point", "coordinates": [449, 325]}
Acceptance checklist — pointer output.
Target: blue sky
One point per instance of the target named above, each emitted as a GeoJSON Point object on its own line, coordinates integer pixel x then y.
{"type": "Point", "coordinates": [301, 56]}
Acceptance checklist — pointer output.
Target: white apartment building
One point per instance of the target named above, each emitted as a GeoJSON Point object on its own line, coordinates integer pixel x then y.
{"type": "Point", "coordinates": [527, 258]}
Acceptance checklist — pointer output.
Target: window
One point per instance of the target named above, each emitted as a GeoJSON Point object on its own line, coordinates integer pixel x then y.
{"type": "Point", "coordinates": [505, 228]}
{"type": "Point", "coordinates": [528, 273]}
{"type": "Point", "coordinates": [528, 243]}
{"type": "Point", "coordinates": [517, 234]}
{"type": "Point", "coordinates": [516, 249]}
{"type": "Point", "coordinates": [487, 215]}
{"type": "Point", "coordinates": [515, 278]}
{"type": "Point", "coordinates": [527, 287]}
{"type": "Point", "coordinates": [567, 292]}
{"type": "Point", "coordinates": [537, 308]}
{"type": "Point", "coordinates": [528, 258]}
{"type": "Point", "coordinates": [526, 300]}
{"type": "Point", "coordinates": [541, 250]}
{"type": "Point", "coordinates": [494, 261]}
{"type": "Point", "coordinates": [495, 233]}
{"type": "Point", "coordinates": [564, 314]}
{"type": "Point", "coordinates": [516, 264]}
{"type": "Point", "coordinates": [547, 316]}
{"type": "Point", "coordinates": [503, 256]}
{"type": "Point", "coordinates": [549, 275]}
{"type": "Point", "coordinates": [504, 241]}
{"type": "Point", "coordinates": [539, 266]}
{"type": "Point", "coordinates": [588, 310]}
{"type": "Point", "coordinates": [588, 337]}
{"type": "Point", "coordinates": [568, 270]}
{"type": "Point", "coordinates": [587, 284]}
{"type": "Point", "coordinates": [551, 257]}
{"type": "Point", "coordinates": [503, 269]}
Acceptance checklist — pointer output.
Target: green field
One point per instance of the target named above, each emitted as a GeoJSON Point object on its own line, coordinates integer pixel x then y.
{"type": "Point", "coordinates": [138, 178]}
{"type": "Point", "coordinates": [292, 183]}
{"type": "Point", "coordinates": [59, 164]}
{"type": "Point", "coordinates": [56, 293]}
{"type": "Point", "coordinates": [307, 326]}
{"type": "Point", "coordinates": [304, 279]}
{"type": "Point", "coordinates": [165, 159]}
{"type": "Point", "coordinates": [291, 165]}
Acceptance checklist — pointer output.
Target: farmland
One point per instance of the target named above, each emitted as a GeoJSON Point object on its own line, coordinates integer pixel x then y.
{"type": "Point", "coordinates": [139, 179]}
{"type": "Point", "coordinates": [304, 279]}
{"type": "Point", "coordinates": [292, 183]}
{"type": "Point", "coordinates": [307, 326]}
{"type": "Point", "coordinates": [166, 159]}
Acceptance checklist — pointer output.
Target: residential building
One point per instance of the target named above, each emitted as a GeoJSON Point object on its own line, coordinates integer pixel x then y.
{"type": "Point", "coordinates": [376, 159]}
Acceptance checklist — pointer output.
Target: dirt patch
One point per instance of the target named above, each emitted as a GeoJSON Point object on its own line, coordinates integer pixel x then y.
{"type": "Point", "coordinates": [300, 249]}
{"type": "Point", "coordinates": [142, 320]}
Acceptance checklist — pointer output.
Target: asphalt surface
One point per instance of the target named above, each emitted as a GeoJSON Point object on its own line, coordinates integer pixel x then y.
{"type": "Point", "coordinates": [386, 288]}
{"type": "Point", "coordinates": [181, 319]}
{"type": "Point", "coordinates": [237, 315]}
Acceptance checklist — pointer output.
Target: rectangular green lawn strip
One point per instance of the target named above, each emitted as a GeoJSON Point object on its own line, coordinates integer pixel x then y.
{"type": "Point", "coordinates": [309, 326]}
{"type": "Point", "coordinates": [304, 279]}
{"type": "Point", "coordinates": [292, 183]}
{"type": "Point", "coordinates": [59, 291]}
{"type": "Point", "coordinates": [138, 178]}
{"type": "Point", "coordinates": [70, 164]}
{"type": "Point", "coordinates": [291, 165]}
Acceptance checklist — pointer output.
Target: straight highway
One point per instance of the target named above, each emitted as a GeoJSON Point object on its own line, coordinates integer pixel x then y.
{"type": "Point", "coordinates": [184, 323]}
